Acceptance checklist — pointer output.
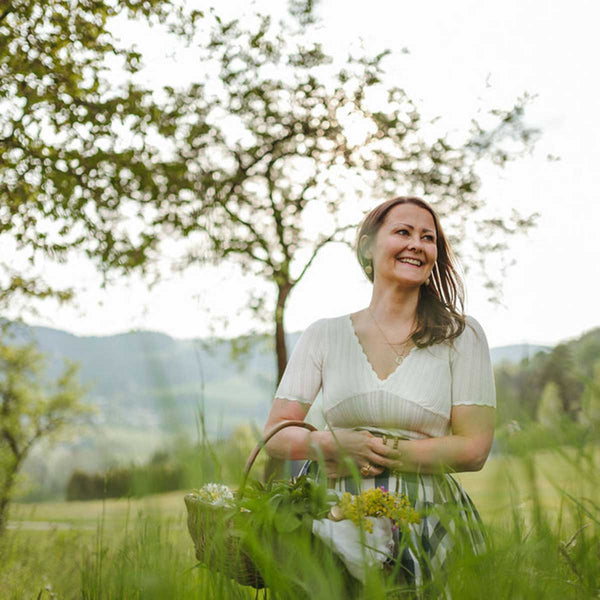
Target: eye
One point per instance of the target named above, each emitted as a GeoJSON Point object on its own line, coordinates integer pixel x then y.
{"type": "Point", "coordinates": [429, 237]}
{"type": "Point", "coordinates": [403, 231]}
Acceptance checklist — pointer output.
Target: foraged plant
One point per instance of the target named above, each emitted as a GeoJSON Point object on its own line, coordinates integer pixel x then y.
{"type": "Point", "coordinates": [377, 502]}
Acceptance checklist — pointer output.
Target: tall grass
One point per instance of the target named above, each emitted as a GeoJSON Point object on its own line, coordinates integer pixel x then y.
{"type": "Point", "coordinates": [541, 509]}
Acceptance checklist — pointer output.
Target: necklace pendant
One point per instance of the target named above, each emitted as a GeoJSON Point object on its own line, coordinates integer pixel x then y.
{"type": "Point", "coordinates": [399, 359]}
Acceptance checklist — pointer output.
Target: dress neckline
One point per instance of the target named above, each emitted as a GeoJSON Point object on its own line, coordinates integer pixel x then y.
{"type": "Point", "coordinates": [366, 358]}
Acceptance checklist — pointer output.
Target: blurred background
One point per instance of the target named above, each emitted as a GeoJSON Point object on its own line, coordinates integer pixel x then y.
{"type": "Point", "coordinates": [180, 188]}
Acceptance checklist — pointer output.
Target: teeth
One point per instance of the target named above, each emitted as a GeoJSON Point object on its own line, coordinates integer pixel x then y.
{"type": "Point", "coordinates": [411, 261]}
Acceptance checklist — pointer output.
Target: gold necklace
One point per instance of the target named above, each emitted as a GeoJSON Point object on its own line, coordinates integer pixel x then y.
{"type": "Point", "coordinates": [406, 347]}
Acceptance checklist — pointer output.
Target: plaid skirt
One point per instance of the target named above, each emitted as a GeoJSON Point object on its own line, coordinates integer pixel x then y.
{"type": "Point", "coordinates": [450, 525]}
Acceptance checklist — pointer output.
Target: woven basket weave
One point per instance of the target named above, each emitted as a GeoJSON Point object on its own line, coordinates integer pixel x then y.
{"type": "Point", "coordinates": [204, 521]}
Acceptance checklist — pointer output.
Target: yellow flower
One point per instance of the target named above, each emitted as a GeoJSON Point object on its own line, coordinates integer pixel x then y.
{"type": "Point", "coordinates": [377, 502]}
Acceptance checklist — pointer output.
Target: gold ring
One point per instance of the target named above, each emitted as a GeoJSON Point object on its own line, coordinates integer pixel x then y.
{"type": "Point", "coordinates": [396, 440]}
{"type": "Point", "coordinates": [365, 470]}
{"type": "Point", "coordinates": [385, 440]}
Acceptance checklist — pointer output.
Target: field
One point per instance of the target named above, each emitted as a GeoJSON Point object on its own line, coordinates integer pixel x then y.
{"type": "Point", "coordinates": [542, 512]}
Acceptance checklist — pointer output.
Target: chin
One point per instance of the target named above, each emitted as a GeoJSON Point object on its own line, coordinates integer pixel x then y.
{"type": "Point", "coordinates": [409, 282]}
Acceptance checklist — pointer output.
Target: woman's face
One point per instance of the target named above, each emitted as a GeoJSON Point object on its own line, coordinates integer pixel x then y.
{"type": "Point", "coordinates": [405, 247]}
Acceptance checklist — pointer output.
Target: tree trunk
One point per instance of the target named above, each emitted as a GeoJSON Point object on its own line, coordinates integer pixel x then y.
{"type": "Point", "coordinates": [3, 514]}
{"type": "Point", "coordinates": [276, 467]}
{"type": "Point", "coordinates": [280, 347]}
{"type": "Point", "coordinates": [5, 497]}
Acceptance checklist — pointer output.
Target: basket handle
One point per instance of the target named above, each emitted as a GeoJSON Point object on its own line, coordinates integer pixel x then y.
{"type": "Point", "coordinates": [263, 443]}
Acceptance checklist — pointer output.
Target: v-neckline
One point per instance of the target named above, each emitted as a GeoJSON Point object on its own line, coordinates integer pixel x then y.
{"type": "Point", "coordinates": [366, 358]}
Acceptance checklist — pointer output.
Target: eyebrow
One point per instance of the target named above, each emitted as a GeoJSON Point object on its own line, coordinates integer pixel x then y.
{"type": "Point", "coordinates": [411, 227]}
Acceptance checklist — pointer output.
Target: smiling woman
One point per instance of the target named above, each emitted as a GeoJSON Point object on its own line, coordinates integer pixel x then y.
{"type": "Point", "coordinates": [408, 389]}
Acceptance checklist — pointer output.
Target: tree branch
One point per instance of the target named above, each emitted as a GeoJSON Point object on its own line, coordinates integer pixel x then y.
{"type": "Point", "coordinates": [318, 247]}
{"type": "Point", "coordinates": [258, 238]}
{"type": "Point", "coordinates": [10, 440]}
{"type": "Point", "coordinates": [3, 16]}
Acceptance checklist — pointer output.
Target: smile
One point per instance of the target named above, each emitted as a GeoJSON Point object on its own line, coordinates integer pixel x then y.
{"type": "Point", "coordinates": [411, 261]}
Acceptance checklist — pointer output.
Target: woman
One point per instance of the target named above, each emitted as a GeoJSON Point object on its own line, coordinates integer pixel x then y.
{"type": "Point", "coordinates": [408, 388]}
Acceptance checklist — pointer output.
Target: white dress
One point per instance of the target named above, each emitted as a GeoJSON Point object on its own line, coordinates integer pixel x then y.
{"type": "Point", "coordinates": [414, 402]}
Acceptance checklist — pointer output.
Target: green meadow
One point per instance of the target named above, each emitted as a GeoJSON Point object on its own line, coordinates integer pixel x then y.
{"type": "Point", "coordinates": [541, 508]}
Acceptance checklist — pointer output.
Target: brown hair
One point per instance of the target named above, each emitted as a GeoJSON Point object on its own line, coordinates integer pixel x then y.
{"type": "Point", "coordinates": [440, 311]}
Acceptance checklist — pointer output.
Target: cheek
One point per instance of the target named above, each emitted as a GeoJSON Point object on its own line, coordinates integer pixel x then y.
{"type": "Point", "coordinates": [386, 247]}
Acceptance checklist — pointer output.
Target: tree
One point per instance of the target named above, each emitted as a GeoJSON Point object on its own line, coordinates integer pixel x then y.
{"type": "Point", "coordinates": [274, 136]}
{"type": "Point", "coordinates": [74, 145]}
{"type": "Point", "coordinates": [560, 368]}
{"type": "Point", "coordinates": [550, 408]}
{"type": "Point", "coordinates": [590, 399]}
{"type": "Point", "coordinates": [281, 136]}
{"type": "Point", "coordinates": [74, 156]}
{"type": "Point", "coordinates": [30, 409]}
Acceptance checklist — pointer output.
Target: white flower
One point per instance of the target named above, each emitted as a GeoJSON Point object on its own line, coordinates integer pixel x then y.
{"type": "Point", "coordinates": [216, 494]}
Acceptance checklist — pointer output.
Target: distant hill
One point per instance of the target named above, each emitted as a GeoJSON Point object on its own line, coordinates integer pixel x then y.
{"type": "Point", "coordinates": [150, 381]}
{"type": "Point", "coordinates": [516, 353]}
{"type": "Point", "coordinates": [149, 388]}
{"type": "Point", "coordinates": [147, 379]}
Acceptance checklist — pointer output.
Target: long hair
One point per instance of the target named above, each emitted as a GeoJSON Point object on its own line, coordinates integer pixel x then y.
{"type": "Point", "coordinates": [440, 310]}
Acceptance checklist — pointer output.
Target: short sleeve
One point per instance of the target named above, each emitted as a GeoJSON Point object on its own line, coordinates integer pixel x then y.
{"type": "Point", "coordinates": [471, 366]}
{"type": "Point", "coordinates": [302, 377]}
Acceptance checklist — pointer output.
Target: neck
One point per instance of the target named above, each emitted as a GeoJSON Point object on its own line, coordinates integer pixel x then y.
{"type": "Point", "coordinates": [398, 305]}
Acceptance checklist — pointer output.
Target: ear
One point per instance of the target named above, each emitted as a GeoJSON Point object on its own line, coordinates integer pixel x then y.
{"type": "Point", "coordinates": [365, 246]}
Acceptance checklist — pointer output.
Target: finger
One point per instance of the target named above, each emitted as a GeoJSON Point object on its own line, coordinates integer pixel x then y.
{"type": "Point", "coordinates": [379, 461]}
{"type": "Point", "coordinates": [388, 450]}
{"type": "Point", "coordinates": [370, 470]}
{"type": "Point", "coordinates": [376, 445]}
{"type": "Point", "coordinates": [379, 448]}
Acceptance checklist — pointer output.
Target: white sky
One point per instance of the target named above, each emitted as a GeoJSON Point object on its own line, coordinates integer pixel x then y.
{"type": "Point", "coordinates": [547, 49]}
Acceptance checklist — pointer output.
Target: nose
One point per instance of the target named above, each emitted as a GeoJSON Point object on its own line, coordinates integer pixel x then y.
{"type": "Point", "coordinates": [415, 243]}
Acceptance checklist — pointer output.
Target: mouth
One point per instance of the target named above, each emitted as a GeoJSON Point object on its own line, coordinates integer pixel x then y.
{"type": "Point", "coordinates": [415, 262]}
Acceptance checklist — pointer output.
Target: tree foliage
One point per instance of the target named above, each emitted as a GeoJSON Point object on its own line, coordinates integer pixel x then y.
{"type": "Point", "coordinates": [278, 135]}
{"type": "Point", "coordinates": [30, 409]}
{"type": "Point", "coordinates": [74, 146]}
{"type": "Point", "coordinates": [550, 408]}
{"type": "Point", "coordinates": [590, 398]}
{"type": "Point", "coordinates": [257, 159]}
{"type": "Point", "coordinates": [565, 380]}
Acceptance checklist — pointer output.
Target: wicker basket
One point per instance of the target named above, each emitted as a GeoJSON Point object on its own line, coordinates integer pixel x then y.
{"type": "Point", "coordinates": [232, 559]}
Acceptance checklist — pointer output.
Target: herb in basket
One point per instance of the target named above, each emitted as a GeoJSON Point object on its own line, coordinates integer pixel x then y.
{"type": "Point", "coordinates": [377, 502]}
{"type": "Point", "coordinates": [284, 506]}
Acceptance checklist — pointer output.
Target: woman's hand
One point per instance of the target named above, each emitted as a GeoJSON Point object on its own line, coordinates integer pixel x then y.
{"type": "Point", "coordinates": [347, 446]}
{"type": "Point", "coordinates": [465, 449]}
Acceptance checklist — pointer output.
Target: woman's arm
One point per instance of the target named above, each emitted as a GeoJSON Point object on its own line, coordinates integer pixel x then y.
{"type": "Point", "coordinates": [292, 442]}
{"type": "Point", "coordinates": [296, 443]}
{"type": "Point", "coordinates": [466, 449]}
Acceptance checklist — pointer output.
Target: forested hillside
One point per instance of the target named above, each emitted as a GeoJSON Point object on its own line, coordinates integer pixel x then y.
{"type": "Point", "coordinates": [149, 380]}
{"type": "Point", "coordinates": [567, 377]}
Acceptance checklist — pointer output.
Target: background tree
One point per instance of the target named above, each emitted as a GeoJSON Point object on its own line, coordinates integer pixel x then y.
{"type": "Point", "coordinates": [74, 147]}
{"type": "Point", "coordinates": [274, 137]}
{"type": "Point", "coordinates": [30, 409]}
{"type": "Point", "coordinates": [570, 366]}
{"type": "Point", "coordinates": [560, 368]}
{"type": "Point", "coordinates": [277, 136]}
{"type": "Point", "coordinates": [590, 399]}
{"type": "Point", "coordinates": [550, 407]}
{"type": "Point", "coordinates": [74, 156]}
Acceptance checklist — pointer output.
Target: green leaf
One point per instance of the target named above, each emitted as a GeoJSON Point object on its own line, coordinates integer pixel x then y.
{"type": "Point", "coordinates": [286, 522]}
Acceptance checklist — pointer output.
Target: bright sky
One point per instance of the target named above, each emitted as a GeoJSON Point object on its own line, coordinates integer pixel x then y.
{"type": "Point", "coordinates": [463, 55]}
